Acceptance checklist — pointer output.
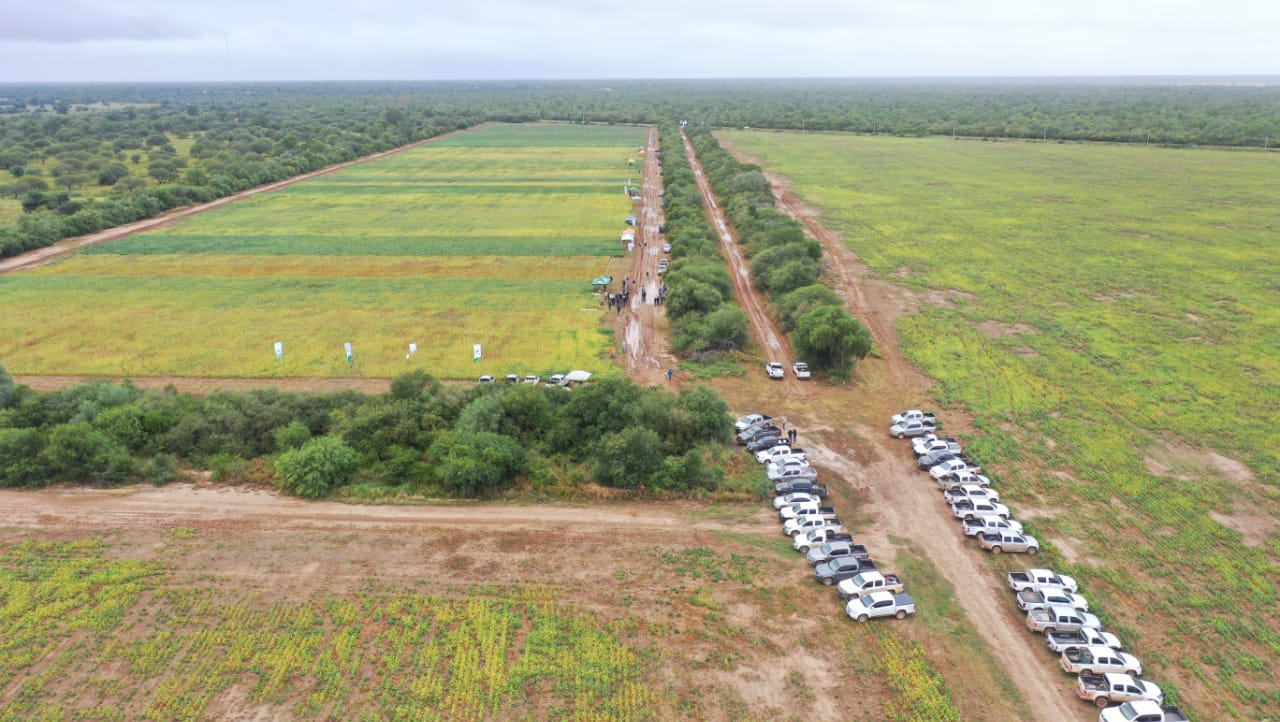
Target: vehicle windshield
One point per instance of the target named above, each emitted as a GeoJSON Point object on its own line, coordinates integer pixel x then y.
{"type": "Point", "coordinates": [826, 548]}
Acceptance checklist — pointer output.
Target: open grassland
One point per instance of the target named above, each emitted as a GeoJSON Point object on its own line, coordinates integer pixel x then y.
{"type": "Point", "coordinates": [396, 624]}
{"type": "Point", "coordinates": [490, 237]}
{"type": "Point", "coordinates": [1109, 315]}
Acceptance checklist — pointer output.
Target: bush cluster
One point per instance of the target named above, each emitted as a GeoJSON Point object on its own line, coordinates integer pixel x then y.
{"type": "Point", "coordinates": [422, 435]}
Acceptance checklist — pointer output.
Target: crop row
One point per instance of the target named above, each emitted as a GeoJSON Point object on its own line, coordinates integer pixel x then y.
{"type": "Point", "coordinates": [161, 653]}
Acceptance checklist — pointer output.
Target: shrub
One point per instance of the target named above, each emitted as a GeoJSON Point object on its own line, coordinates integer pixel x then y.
{"type": "Point", "coordinates": [317, 467]}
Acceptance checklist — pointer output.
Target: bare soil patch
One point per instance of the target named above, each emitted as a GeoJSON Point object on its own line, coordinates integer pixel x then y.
{"type": "Point", "coordinates": [996, 329]}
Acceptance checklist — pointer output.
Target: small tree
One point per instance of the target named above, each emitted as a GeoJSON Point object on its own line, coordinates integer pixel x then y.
{"type": "Point", "coordinates": [317, 467]}
{"type": "Point", "coordinates": [828, 338]}
{"type": "Point", "coordinates": [627, 458]}
{"type": "Point", "coordinates": [476, 463]}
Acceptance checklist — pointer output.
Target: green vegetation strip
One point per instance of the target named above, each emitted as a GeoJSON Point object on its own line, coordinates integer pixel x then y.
{"type": "Point", "coordinates": [381, 655]}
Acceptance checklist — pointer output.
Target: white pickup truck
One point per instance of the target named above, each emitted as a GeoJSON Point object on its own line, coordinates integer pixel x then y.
{"type": "Point", "coordinates": [1043, 597]}
{"type": "Point", "coordinates": [868, 582]}
{"type": "Point", "coordinates": [1033, 578]}
{"type": "Point", "coordinates": [1096, 660]}
{"type": "Point", "coordinates": [1104, 689]}
{"type": "Point", "coordinates": [880, 604]}
{"type": "Point", "coordinates": [1084, 637]}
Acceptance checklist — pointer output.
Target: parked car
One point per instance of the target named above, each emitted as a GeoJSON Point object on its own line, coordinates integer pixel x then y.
{"type": "Point", "coordinates": [1009, 542]}
{"type": "Point", "coordinates": [928, 443]}
{"type": "Point", "coordinates": [777, 451]}
{"type": "Point", "coordinates": [970, 491]}
{"type": "Point", "coordinates": [1060, 619]}
{"type": "Point", "coordinates": [765, 442]}
{"type": "Point", "coordinates": [913, 415]}
{"type": "Point", "coordinates": [831, 572]}
{"type": "Point", "coordinates": [1033, 578]}
{"type": "Point", "coordinates": [666, 248]}
{"type": "Point", "coordinates": [910, 428]}
{"type": "Point", "coordinates": [799, 497]}
{"type": "Point", "coordinates": [880, 604]}
{"type": "Point", "coordinates": [802, 485]}
{"type": "Point", "coordinates": [795, 527]}
{"type": "Point", "coordinates": [751, 421]}
{"type": "Point", "coordinates": [1043, 597]}
{"type": "Point", "coordinates": [835, 550]}
{"type": "Point", "coordinates": [960, 478]}
{"type": "Point", "coordinates": [966, 509]}
{"type": "Point", "coordinates": [1103, 689]}
{"type": "Point", "coordinates": [556, 380]}
{"type": "Point", "coordinates": [1084, 637]}
{"type": "Point", "coordinates": [933, 458]}
{"type": "Point", "coordinates": [990, 525]}
{"type": "Point", "coordinates": [803, 509]}
{"type": "Point", "coordinates": [801, 370]}
{"type": "Point", "coordinates": [1095, 660]}
{"type": "Point", "coordinates": [535, 380]}
{"type": "Point", "coordinates": [778, 464]}
{"type": "Point", "coordinates": [784, 473]}
{"type": "Point", "coordinates": [512, 378]}
{"type": "Point", "coordinates": [755, 432]}
{"type": "Point", "coordinates": [775, 370]}
{"type": "Point", "coordinates": [803, 543]}
{"type": "Point", "coordinates": [486, 379]}
{"type": "Point", "coordinates": [868, 582]}
{"type": "Point", "coordinates": [942, 468]}
{"type": "Point", "coordinates": [1142, 711]}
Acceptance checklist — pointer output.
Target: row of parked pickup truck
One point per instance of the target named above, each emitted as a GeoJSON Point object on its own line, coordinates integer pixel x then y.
{"type": "Point", "coordinates": [817, 532]}
{"type": "Point", "coordinates": [1106, 675]}
{"type": "Point", "coordinates": [964, 487]}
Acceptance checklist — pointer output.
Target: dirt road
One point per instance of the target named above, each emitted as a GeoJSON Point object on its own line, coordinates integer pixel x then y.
{"type": "Point", "coordinates": [905, 502]}
{"type": "Point", "coordinates": [647, 355]}
{"type": "Point", "coordinates": [775, 345]}
{"type": "Point", "coordinates": [248, 508]}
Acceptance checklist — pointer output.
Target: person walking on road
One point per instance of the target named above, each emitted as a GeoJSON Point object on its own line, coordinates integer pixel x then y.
{"type": "Point", "coordinates": [670, 373]}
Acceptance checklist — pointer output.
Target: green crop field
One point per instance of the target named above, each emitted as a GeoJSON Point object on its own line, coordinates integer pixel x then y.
{"type": "Point", "coordinates": [1110, 316]}
{"type": "Point", "coordinates": [200, 624]}
{"type": "Point", "coordinates": [487, 237]}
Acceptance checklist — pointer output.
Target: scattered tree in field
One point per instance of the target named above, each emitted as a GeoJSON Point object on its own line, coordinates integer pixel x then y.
{"type": "Point", "coordinates": [829, 338]}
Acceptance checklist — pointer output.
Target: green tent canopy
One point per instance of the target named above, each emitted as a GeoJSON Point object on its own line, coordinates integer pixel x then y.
{"type": "Point", "coordinates": [602, 281]}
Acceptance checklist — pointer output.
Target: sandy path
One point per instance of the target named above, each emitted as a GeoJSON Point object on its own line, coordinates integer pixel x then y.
{"type": "Point", "coordinates": [178, 505]}
{"type": "Point", "coordinates": [906, 501]}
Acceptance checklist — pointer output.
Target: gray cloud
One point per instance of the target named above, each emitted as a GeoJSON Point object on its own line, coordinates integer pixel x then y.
{"type": "Point", "coordinates": [67, 21]}
{"type": "Point", "coordinates": [425, 39]}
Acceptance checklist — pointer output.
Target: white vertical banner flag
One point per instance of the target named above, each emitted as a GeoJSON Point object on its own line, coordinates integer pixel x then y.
{"type": "Point", "coordinates": [475, 353]}
{"type": "Point", "coordinates": [350, 356]}
{"type": "Point", "coordinates": [280, 350]}
{"type": "Point", "coordinates": [413, 348]}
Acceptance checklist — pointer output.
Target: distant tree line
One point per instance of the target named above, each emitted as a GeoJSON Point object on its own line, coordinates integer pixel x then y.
{"type": "Point", "coordinates": [81, 158]}
{"type": "Point", "coordinates": [784, 263]}
{"type": "Point", "coordinates": [422, 437]}
{"type": "Point", "coordinates": [705, 320]}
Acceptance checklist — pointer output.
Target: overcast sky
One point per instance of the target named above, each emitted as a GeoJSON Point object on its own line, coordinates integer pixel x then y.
{"type": "Point", "coordinates": [244, 40]}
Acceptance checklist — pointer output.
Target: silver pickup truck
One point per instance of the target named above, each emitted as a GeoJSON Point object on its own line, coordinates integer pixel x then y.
{"type": "Point", "coordinates": [1060, 619]}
